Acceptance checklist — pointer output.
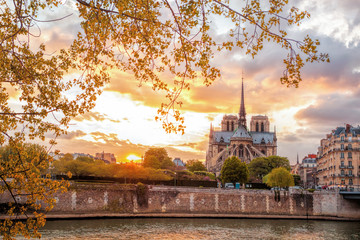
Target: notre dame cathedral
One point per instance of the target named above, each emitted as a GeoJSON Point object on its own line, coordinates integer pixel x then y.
{"type": "Point", "coordinates": [234, 139]}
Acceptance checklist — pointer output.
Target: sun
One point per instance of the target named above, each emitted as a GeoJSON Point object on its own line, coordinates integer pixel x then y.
{"type": "Point", "coordinates": [133, 157]}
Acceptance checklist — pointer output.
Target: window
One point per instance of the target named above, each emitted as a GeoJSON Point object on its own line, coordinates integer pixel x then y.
{"type": "Point", "coordinates": [262, 127]}
{"type": "Point", "coordinates": [342, 138]}
{"type": "Point", "coordinates": [350, 163]}
{"type": "Point", "coordinates": [350, 147]}
{"type": "Point", "coordinates": [349, 154]}
{"type": "Point", "coordinates": [257, 126]}
{"type": "Point", "coordinates": [232, 126]}
{"type": "Point", "coordinates": [342, 172]}
{"type": "Point", "coordinates": [350, 181]}
{"type": "Point", "coordinates": [341, 155]}
{"type": "Point", "coordinates": [342, 147]}
{"type": "Point", "coordinates": [342, 163]}
{"type": "Point", "coordinates": [343, 181]}
{"type": "Point", "coordinates": [227, 126]}
{"type": "Point", "coordinates": [350, 172]}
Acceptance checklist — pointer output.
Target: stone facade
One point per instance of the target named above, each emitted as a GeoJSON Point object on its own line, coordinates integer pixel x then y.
{"type": "Point", "coordinates": [118, 200]}
{"type": "Point", "coordinates": [307, 171]}
{"type": "Point", "coordinates": [339, 158]}
{"type": "Point", "coordinates": [234, 139]}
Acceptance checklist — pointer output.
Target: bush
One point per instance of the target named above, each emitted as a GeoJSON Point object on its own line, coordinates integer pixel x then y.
{"type": "Point", "coordinates": [311, 190]}
{"type": "Point", "coordinates": [204, 173]}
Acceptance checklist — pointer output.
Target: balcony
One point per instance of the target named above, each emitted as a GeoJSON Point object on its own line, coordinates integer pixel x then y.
{"type": "Point", "coordinates": [350, 175]}
{"type": "Point", "coordinates": [342, 166]}
{"type": "Point", "coordinates": [342, 175]}
{"type": "Point", "coordinates": [350, 167]}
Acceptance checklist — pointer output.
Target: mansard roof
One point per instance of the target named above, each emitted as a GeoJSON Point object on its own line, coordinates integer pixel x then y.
{"type": "Point", "coordinates": [353, 130]}
{"type": "Point", "coordinates": [339, 130]}
{"type": "Point", "coordinates": [259, 136]}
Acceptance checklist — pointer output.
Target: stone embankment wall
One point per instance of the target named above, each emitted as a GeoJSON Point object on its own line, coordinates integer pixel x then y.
{"type": "Point", "coordinates": [115, 200]}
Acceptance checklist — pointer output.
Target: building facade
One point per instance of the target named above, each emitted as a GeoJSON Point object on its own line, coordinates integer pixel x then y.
{"type": "Point", "coordinates": [339, 158]}
{"type": "Point", "coordinates": [307, 171]}
{"type": "Point", "coordinates": [106, 157]}
{"type": "Point", "coordinates": [234, 139]}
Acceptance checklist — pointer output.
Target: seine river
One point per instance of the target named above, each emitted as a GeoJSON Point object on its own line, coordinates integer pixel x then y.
{"type": "Point", "coordinates": [199, 228]}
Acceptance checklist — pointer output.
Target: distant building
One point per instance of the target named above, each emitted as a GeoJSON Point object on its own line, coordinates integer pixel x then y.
{"type": "Point", "coordinates": [339, 158]}
{"type": "Point", "coordinates": [178, 162]}
{"type": "Point", "coordinates": [76, 155]}
{"type": "Point", "coordinates": [234, 139]}
{"type": "Point", "coordinates": [106, 157]}
{"type": "Point", "coordinates": [307, 171]}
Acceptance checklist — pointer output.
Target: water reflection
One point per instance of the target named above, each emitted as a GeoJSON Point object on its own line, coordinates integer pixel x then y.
{"type": "Point", "coordinates": [184, 228]}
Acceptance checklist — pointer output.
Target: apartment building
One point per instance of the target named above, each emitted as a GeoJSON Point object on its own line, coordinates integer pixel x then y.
{"type": "Point", "coordinates": [338, 163]}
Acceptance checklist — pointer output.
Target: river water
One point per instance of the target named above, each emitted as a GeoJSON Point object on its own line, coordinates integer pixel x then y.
{"type": "Point", "coordinates": [199, 228]}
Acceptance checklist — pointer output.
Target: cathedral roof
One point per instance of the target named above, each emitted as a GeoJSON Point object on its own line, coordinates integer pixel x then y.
{"type": "Point", "coordinates": [241, 132]}
{"type": "Point", "coordinates": [223, 135]}
{"type": "Point", "coordinates": [259, 136]}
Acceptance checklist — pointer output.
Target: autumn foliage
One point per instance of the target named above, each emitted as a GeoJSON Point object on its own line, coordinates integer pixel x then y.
{"type": "Point", "coordinates": [41, 90]}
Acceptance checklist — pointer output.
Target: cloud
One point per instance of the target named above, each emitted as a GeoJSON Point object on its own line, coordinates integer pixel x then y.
{"type": "Point", "coordinates": [332, 110]}
{"type": "Point", "coordinates": [94, 116]}
{"type": "Point", "coordinates": [121, 148]}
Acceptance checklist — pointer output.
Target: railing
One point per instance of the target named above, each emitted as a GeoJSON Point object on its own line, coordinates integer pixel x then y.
{"type": "Point", "coordinates": [342, 166]}
{"type": "Point", "coordinates": [350, 167]}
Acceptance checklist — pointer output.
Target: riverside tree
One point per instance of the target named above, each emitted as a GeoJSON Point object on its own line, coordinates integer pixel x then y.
{"type": "Point", "coordinates": [195, 165]}
{"type": "Point", "coordinates": [234, 171]}
{"type": "Point", "coordinates": [41, 90]}
{"type": "Point", "coordinates": [157, 158]}
{"type": "Point", "coordinates": [261, 166]}
{"type": "Point", "coordinates": [280, 177]}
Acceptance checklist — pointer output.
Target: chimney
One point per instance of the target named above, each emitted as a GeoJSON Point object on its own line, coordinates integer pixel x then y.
{"type": "Point", "coordinates": [348, 128]}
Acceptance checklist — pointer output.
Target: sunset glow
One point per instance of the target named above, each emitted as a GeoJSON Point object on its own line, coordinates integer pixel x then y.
{"type": "Point", "coordinates": [123, 120]}
{"type": "Point", "coordinates": [133, 157]}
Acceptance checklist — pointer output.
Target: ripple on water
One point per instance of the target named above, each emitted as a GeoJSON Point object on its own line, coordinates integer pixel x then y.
{"type": "Point", "coordinates": [209, 229]}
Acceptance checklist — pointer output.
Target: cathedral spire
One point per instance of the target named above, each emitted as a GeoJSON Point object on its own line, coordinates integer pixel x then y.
{"type": "Point", "coordinates": [297, 158]}
{"type": "Point", "coordinates": [242, 113]}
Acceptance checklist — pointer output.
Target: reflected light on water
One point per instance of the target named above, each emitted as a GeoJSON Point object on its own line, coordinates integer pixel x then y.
{"type": "Point", "coordinates": [196, 228]}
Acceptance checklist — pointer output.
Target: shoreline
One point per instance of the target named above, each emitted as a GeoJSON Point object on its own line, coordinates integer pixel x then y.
{"type": "Point", "coordinates": [89, 216]}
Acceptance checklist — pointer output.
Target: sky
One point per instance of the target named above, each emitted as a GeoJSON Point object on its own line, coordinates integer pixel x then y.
{"type": "Point", "coordinates": [123, 120]}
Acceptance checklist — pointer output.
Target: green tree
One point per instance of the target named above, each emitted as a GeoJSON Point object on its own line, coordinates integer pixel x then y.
{"type": "Point", "coordinates": [261, 166]}
{"type": "Point", "coordinates": [195, 165]}
{"type": "Point", "coordinates": [297, 179]}
{"type": "Point", "coordinates": [157, 158]}
{"type": "Point", "coordinates": [149, 39]}
{"type": "Point", "coordinates": [280, 177]}
{"type": "Point", "coordinates": [277, 161]}
{"type": "Point", "coordinates": [258, 168]}
{"type": "Point", "coordinates": [234, 171]}
{"type": "Point", "coordinates": [85, 159]}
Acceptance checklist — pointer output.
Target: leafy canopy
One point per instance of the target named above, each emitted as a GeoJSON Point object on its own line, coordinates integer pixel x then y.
{"type": "Point", "coordinates": [150, 39]}
{"type": "Point", "coordinates": [24, 190]}
{"type": "Point", "coordinates": [195, 165]}
{"type": "Point", "coordinates": [157, 158]}
{"type": "Point", "coordinates": [261, 166]}
{"type": "Point", "coordinates": [234, 171]}
{"type": "Point", "coordinates": [279, 177]}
